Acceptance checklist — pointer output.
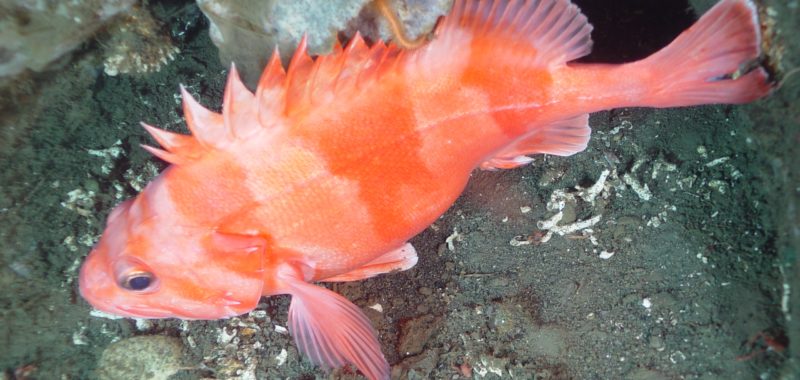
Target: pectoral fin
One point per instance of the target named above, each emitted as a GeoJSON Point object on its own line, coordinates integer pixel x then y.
{"type": "Point", "coordinates": [399, 259]}
{"type": "Point", "coordinates": [332, 331]}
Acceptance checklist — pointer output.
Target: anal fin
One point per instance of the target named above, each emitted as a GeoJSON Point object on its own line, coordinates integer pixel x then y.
{"type": "Point", "coordinates": [560, 138]}
{"type": "Point", "coordinates": [399, 259]}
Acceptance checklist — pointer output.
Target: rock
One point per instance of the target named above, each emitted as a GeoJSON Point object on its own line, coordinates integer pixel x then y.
{"type": "Point", "coordinates": [415, 333]}
{"type": "Point", "coordinates": [35, 33]}
{"type": "Point", "coordinates": [150, 357]}
{"type": "Point", "coordinates": [138, 44]}
{"type": "Point", "coordinates": [246, 32]}
{"type": "Point", "coordinates": [418, 17]}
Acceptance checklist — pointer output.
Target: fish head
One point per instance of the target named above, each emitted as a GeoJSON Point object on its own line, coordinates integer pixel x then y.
{"type": "Point", "coordinates": [147, 265]}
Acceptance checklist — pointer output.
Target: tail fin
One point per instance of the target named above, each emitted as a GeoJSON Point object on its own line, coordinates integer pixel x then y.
{"type": "Point", "coordinates": [717, 60]}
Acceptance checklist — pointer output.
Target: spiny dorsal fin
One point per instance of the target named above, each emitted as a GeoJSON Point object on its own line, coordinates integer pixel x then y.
{"type": "Point", "coordinates": [178, 148]}
{"type": "Point", "coordinates": [279, 93]}
{"type": "Point", "coordinates": [308, 82]}
{"type": "Point", "coordinates": [209, 129]}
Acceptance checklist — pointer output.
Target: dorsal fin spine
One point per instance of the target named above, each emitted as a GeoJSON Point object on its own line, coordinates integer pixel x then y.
{"type": "Point", "coordinates": [297, 76]}
{"type": "Point", "coordinates": [168, 140]}
{"type": "Point", "coordinates": [309, 89]}
{"type": "Point", "coordinates": [201, 122]}
{"type": "Point", "coordinates": [178, 148]}
{"type": "Point", "coordinates": [228, 102]}
{"type": "Point", "coordinates": [164, 155]}
{"type": "Point", "coordinates": [271, 83]}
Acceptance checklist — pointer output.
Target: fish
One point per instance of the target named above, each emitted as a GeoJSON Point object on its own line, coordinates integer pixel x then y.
{"type": "Point", "coordinates": [325, 172]}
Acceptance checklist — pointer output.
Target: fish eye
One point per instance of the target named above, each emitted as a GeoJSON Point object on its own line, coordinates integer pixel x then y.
{"type": "Point", "coordinates": [137, 281]}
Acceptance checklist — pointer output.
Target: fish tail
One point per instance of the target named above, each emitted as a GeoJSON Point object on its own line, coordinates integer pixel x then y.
{"type": "Point", "coordinates": [719, 59]}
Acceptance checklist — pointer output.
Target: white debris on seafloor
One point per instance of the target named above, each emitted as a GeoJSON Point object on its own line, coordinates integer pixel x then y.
{"type": "Point", "coordinates": [140, 178]}
{"type": "Point", "coordinates": [551, 222]}
{"type": "Point", "coordinates": [558, 201]}
{"type": "Point", "coordinates": [625, 124]}
{"type": "Point", "coordinates": [455, 236]}
{"type": "Point", "coordinates": [79, 337]}
{"type": "Point", "coordinates": [81, 201]}
{"type": "Point", "coordinates": [486, 365]}
{"type": "Point", "coordinates": [576, 226]}
{"type": "Point", "coordinates": [718, 185]}
{"type": "Point", "coordinates": [702, 151]}
{"type": "Point", "coordinates": [687, 183]}
{"type": "Point", "coordinates": [103, 314]}
{"type": "Point", "coordinates": [589, 194]}
{"type": "Point", "coordinates": [225, 337]}
{"type": "Point", "coordinates": [143, 324]}
{"type": "Point", "coordinates": [69, 242]}
{"type": "Point", "coordinates": [281, 357]}
{"type": "Point", "coordinates": [249, 371]}
{"type": "Point", "coordinates": [519, 240]}
{"type": "Point", "coordinates": [605, 255]}
{"type": "Point", "coordinates": [258, 314]}
{"type": "Point", "coordinates": [717, 161]}
{"type": "Point", "coordinates": [377, 307]}
{"type": "Point", "coordinates": [786, 296]}
{"type": "Point", "coordinates": [654, 222]}
{"type": "Point", "coordinates": [108, 155]}
{"type": "Point", "coordinates": [642, 191]}
{"type": "Point", "coordinates": [662, 166]}
{"type": "Point", "coordinates": [657, 220]}
{"type": "Point", "coordinates": [551, 225]}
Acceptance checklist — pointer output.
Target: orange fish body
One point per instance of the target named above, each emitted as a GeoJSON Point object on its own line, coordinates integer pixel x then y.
{"type": "Point", "coordinates": [330, 167]}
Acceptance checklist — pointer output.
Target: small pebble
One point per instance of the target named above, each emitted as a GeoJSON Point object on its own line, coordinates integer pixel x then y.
{"type": "Point", "coordinates": [148, 357]}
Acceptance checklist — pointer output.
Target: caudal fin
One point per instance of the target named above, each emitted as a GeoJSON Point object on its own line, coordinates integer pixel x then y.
{"type": "Point", "coordinates": [717, 60]}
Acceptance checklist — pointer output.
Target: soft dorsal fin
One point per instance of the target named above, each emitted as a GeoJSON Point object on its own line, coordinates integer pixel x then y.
{"type": "Point", "coordinates": [550, 33]}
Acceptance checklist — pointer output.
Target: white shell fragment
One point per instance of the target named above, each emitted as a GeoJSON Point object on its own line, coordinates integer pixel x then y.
{"type": "Point", "coordinates": [605, 255]}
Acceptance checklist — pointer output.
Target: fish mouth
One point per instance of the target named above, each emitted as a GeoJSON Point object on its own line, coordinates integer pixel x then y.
{"type": "Point", "coordinates": [137, 311]}
{"type": "Point", "coordinates": [202, 312]}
